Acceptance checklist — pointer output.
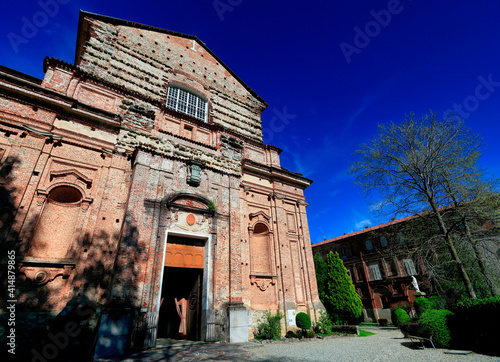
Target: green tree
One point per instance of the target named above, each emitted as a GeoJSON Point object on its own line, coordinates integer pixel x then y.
{"type": "Point", "coordinates": [321, 275]}
{"type": "Point", "coordinates": [430, 167]}
{"type": "Point", "coordinates": [336, 289]}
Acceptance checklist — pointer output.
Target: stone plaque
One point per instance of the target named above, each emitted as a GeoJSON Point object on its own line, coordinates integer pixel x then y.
{"type": "Point", "coordinates": [291, 316]}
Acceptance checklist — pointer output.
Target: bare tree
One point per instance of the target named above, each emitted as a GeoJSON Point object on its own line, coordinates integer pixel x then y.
{"type": "Point", "coordinates": [429, 167]}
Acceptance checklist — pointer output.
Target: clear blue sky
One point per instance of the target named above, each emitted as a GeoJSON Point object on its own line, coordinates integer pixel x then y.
{"type": "Point", "coordinates": [314, 60]}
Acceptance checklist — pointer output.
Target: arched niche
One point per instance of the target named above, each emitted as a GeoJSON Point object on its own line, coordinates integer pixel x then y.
{"type": "Point", "coordinates": [54, 231]}
{"type": "Point", "coordinates": [260, 250]}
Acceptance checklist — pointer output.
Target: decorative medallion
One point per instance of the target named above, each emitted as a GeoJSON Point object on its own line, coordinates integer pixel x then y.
{"type": "Point", "coordinates": [262, 284]}
{"type": "Point", "coordinates": [41, 276]}
{"type": "Point", "coordinates": [190, 219]}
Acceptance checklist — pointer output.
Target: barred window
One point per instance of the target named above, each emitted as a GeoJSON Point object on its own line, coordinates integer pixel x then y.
{"type": "Point", "coordinates": [183, 101]}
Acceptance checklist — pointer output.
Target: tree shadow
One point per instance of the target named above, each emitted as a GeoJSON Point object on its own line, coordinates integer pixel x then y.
{"type": "Point", "coordinates": [68, 333]}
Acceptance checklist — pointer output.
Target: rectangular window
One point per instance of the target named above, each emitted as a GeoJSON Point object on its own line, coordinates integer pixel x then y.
{"type": "Point", "coordinates": [409, 267]}
{"type": "Point", "coordinates": [342, 254]}
{"type": "Point", "coordinates": [383, 241]}
{"type": "Point", "coordinates": [374, 268]}
{"type": "Point", "coordinates": [181, 100]}
{"type": "Point", "coordinates": [394, 270]}
{"type": "Point", "coordinates": [361, 274]}
{"type": "Point", "coordinates": [369, 245]}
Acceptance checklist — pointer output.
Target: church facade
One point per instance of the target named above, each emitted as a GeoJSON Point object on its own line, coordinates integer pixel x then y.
{"type": "Point", "coordinates": [137, 189]}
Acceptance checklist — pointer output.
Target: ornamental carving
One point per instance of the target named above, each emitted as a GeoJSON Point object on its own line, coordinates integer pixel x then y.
{"type": "Point", "coordinates": [257, 217]}
{"type": "Point", "coordinates": [263, 282]}
{"type": "Point", "coordinates": [41, 275]}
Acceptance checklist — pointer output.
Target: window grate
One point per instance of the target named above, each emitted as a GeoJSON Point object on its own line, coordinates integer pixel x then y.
{"type": "Point", "coordinates": [181, 100]}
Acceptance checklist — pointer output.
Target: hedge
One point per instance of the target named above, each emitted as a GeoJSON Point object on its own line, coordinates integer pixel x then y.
{"type": "Point", "coordinates": [475, 325]}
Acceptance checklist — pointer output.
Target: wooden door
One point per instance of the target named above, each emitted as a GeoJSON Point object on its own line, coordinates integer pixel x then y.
{"type": "Point", "coordinates": [193, 313]}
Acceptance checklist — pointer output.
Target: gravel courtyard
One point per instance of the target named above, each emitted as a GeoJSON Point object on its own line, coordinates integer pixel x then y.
{"type": "Point", "coordinates": [386, 345]}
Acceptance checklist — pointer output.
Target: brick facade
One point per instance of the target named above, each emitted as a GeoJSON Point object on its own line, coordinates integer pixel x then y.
{"type": "Point", "coordinates": [380, 262]}
{"type": "Point", "coordinates": [98, 174]}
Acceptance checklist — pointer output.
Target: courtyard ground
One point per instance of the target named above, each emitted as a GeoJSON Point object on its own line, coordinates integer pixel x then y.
{"type": "Point", "coordinates": [386, 345]}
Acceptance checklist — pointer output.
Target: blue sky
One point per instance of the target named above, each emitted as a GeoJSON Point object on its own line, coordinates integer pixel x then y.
{"type": "Point", "coordinates": [337, 69]}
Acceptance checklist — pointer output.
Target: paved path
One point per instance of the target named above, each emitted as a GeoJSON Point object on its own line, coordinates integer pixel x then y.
{"type": "Point", "coordinates": [198, 353]}
{"type": "Point", "coordinates": [386, 345]}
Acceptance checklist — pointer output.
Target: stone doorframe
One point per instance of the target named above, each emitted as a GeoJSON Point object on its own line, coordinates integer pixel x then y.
{"type": "Point", "coordinates": [207, 308]}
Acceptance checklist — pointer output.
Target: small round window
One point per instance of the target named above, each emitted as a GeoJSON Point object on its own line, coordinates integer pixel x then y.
{"type": "Point", "coordinates": [65, 195]}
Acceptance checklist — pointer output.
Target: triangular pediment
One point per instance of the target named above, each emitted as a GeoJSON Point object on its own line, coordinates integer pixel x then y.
{"type": "Point", "coordinates": [161, 47]}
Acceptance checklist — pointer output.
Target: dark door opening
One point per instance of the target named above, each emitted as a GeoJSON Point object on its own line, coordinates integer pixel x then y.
{"type": "Point", "coordinates": [179, 283]}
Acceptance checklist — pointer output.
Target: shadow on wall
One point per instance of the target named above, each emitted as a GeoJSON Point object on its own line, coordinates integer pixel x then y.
{"type": "Point", "coordinates": [31, 327]}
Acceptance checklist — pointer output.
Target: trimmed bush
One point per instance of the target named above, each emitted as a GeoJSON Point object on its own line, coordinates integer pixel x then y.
{"type": "Point", "coordinates": [423, 304]}
{"type": "Point", "coordinates": [400, 316]}
{"type": "Point", "coordinates": [303, 321]}
{"type": "Point", "coordinates": [271, 329]}
{"type": "Point", "coordinates": [403, 305]}
{"type": "Point", "coordinates": [437, 322]}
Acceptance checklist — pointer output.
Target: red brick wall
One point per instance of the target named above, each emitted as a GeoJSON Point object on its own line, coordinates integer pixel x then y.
{"type": "Point", "coordinates": [109, 246]}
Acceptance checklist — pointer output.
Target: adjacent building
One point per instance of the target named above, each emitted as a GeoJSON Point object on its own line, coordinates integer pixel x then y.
{"type": "Point", "coordinates": [137, 193]}
{"type": "Point", "coordinates": [380, 264]}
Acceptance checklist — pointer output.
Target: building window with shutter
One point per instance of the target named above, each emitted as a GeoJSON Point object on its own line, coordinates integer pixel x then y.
{"type": "Point", "coordinates": [374, 268]}
{"type": "Point", "coordinates": [369, 245]}
{"type": "Point", "coordinates": [409, 267]}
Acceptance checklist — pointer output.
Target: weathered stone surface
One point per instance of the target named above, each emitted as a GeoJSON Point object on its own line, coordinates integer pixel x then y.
{"type": "Point", "coordinates": [98, 176]}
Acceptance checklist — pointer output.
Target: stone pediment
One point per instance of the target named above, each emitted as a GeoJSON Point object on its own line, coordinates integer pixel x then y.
{"type": "Point", "coordinates": [71, 175]}
{"type": "Point", "coordinates": [260, 215]}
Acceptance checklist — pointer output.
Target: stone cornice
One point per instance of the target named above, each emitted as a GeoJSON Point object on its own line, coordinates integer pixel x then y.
{"type": "Point", "coordinates": [272, 172]}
